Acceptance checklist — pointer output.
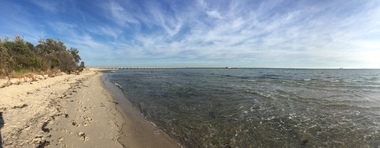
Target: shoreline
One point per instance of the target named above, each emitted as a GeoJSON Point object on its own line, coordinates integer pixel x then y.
{"type": "Point", "coordinates": [67, 111]}
{"type": "Point", "coordinates": [138, 131]}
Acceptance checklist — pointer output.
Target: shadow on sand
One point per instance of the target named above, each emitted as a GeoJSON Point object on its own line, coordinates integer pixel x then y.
{"type": "Point", "coordinates": [1, 126]}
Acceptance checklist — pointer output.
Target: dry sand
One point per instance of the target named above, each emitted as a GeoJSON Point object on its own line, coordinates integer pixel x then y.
{"type": "Point", "coordinates": [73, 111]}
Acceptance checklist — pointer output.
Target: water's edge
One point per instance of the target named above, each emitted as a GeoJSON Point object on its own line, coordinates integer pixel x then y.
{"type": "Point", "coordinates": [137, 131]}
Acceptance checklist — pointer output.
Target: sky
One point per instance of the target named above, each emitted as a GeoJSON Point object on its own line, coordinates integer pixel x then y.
{"type": "Point", "coordinates": [204, 33]}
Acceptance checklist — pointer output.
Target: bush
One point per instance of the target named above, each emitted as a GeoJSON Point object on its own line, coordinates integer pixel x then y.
{"type": "Point", "coordinates": [20, 56]}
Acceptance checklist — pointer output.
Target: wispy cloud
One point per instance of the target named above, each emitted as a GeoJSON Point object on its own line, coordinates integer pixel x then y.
{"type": "Point", "coordinates": [63, 28]}
{"type": "Point", "coordinates": [214, 14]}
{"type": "Point", "coordinates": [119, 15]}
{"type": "Point", "coordinates": [48, 5]}
{"type": "Point", "coordinates": [114, 32]}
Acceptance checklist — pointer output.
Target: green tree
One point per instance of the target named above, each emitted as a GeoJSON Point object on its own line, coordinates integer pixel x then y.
{"type": "Point", "coordinates": [67, 62]}
{"type": "Point", "coordinates": [19, 55]}
{"type": "Point", "coordinates": [75, 53]}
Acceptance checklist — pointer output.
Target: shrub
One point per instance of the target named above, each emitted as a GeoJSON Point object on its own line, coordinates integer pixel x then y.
{"type": "Point", "coordinates": [19, 56]}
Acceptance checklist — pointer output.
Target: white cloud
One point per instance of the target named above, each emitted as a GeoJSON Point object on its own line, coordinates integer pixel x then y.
{"type": "Point", "coordinates": [120, 15]}
{"type": "Point", "coordinates": [114, 32]}
{"type": "Point", "coordinates": [214, 14]}
{"type": "Point", "coordinates": [48, 5]}
{"type": "Point", "coordinates": [62, 27]}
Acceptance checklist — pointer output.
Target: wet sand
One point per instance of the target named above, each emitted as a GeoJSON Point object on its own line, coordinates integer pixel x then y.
{"type": "Point", "coordinates": [73, 111]}
{"type": "Point", "coordinates": [138, 132]}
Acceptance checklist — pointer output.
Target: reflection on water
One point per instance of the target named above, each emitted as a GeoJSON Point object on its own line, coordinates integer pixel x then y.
{"type": "Point", "coordinates": [259, 107]}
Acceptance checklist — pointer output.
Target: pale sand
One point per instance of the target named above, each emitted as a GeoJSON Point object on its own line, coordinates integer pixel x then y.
{"type": "Point", "coordinates": [73, 111]}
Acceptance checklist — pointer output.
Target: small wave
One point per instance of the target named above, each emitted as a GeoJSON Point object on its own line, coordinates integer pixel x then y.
{"type": "Point", "coordinates": [337, 81]}
{"type": "Point", "coordinates": [154, 125]}
{"type": "Point", "coordinates": [239, 77]}
{"type": "Point", "coordinates": [269, 76]}
{"type": "Point", "coordinates": [350, 106]}
{"type": "Point", "coordinates": [374, 79]}
{"type": "Point", "coordinates": [225, 76]}
{"type": "Point", "coordinates": [119, 86]}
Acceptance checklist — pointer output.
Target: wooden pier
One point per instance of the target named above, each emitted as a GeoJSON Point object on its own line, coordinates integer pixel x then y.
{"type": "Point", "coordinates": [150, 68]}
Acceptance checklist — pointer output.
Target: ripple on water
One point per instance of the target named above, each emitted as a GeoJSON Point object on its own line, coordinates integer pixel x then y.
{"type": "Point", "coordinates": [259, 107]}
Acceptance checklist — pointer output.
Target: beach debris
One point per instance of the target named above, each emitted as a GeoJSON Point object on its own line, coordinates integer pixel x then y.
{"type": "Point", "coordinates": [29, 93]}
{"type": "Point", "coordinates": [74, 123]}
{"type": "Point", "coordinates": [87, 119]}
{"type": "Point", "coordinates": [61, 140]}
{"type": "Point", "coordinates": [82, 136]}
{"type": "Point", "coordinates": [43, 128]}
{"type": "Point", "coordinates": [41, 142]}
{"type": "Point", "coordinates": [62, 96]}
{"type": "Point", "coordinates": [20, 106]}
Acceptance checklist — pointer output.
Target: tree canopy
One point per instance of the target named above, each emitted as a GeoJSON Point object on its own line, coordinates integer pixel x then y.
{"type": "Point", "coordinates": [22, 56]}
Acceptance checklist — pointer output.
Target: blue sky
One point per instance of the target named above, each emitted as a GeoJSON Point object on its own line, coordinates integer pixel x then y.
{"type": "Point", "coordinates": [170, 33]}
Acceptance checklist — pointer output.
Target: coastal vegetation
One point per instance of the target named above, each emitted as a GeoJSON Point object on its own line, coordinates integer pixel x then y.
{"type": "Point", "coordinates": [20, 57]}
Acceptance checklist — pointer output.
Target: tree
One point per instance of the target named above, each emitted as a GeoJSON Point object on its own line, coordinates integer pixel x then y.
{"type": "Point", "coordinates": [74, 52]}
{"type": "Point", "coordinates": [22, 56]}
{"type": "Point", "coordinates": [67, 62]}
{"type": "Point", "coordinates": [82, 65]}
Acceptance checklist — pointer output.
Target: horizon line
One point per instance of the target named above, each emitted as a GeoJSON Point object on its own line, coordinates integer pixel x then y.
{"type": "Point", "coordinates": [225, 67]}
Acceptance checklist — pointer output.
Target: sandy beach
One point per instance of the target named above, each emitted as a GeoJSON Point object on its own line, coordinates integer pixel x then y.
{"type": "Point", "coordinates": [73, 111]}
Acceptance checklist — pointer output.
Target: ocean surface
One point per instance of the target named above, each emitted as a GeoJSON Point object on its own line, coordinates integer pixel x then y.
{"type": "Point", "coordinates": [258, 107]}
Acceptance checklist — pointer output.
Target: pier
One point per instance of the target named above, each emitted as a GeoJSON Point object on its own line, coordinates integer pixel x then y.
{"type": "Point", "coordinates": [149, 68]}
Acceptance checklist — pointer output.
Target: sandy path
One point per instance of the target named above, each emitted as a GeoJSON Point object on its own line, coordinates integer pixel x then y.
{"type": "Point", "coordinates": [64, 111]}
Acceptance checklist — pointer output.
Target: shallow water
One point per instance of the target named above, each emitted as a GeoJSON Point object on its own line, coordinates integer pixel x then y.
{"type": "Point", "coordinates": [259, 107]}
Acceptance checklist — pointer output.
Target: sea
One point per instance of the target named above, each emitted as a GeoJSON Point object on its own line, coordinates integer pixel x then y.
{"type": "Point", "coordinates": [258, 107]}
